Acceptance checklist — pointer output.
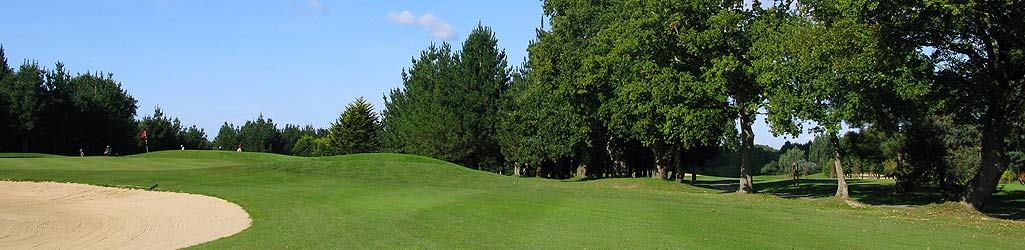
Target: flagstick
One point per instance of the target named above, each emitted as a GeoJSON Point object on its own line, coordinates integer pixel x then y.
{"type": "Point", "coordinates": [147, 145]}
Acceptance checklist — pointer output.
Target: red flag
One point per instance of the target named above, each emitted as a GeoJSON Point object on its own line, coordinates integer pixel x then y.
{"type": "Point", "coordinates": [144, 134]}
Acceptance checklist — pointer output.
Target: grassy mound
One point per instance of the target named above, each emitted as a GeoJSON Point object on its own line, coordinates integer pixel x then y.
{"type": "Point", "coordinates": [402, 201]}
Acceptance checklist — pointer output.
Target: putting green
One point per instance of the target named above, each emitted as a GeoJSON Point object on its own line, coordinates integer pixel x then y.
{"type": "Point", "coordinates": [402, 201]}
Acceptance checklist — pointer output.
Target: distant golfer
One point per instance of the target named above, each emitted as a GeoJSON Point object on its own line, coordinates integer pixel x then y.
{"type": "Point", "coordinates": [239, 147]}
{"type": "Point", "coordinates": [796, 174]}
{"type": "Point", "coordinates": [81, 152]}
{"type": "Point", "coordinates": [106, 152]}
{"type": "Point", "coordinates": [183, 146]}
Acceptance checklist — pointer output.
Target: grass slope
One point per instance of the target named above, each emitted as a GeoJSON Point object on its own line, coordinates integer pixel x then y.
{"type": "Point", "coordinates": [402, 201]}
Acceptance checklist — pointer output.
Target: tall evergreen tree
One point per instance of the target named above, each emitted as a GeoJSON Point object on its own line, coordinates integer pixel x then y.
{"type": "Point", "coordinates": [162, 132]}
{"type": "Point", "coordinates": [227, 137]}
{"type": "Point", "coordinates": [5, 120]}
{"type": "Point", "coordinates": [59, 110]}
{"type": "Point", "coordinates": [26, 103]}
{"type": "Point", "coordinates": [194, 138]}
{"type": "Point", "coordinates": [485, 77]}
{"type": "Point", "coordinates": [110, 112]}
{"type": "Point", "coordinates": [260, 135]}
{"type": "Point", "coordinates": [356, 129]}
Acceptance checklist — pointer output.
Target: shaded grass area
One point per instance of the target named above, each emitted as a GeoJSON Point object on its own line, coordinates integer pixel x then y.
{"type": "Point", "coordinates": [1007, 203]}
{"type": "Point", "coordinates": [375, 201]}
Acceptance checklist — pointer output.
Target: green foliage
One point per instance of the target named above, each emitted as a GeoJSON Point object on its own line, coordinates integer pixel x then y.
{"type": "Point", "coordinates": [726, 163]}
{"type": "Point", "coordinates": [195, 138]}
{"type": "Point", "coordinates": [227, 137]}
{"type": "Point", "coordinates": [161, 131]}
{"type": "Point", "coordinates": [356, 129]}
{"type": "Point", "coordinates": [25, 94]}
{"type": "Point", "coordinates": [51, 111]}
{"type": "Point", "coordinates": [166, 133]}
{"type": "Point", "coordinates": [820, 150]}
{"type": "Point", "coordinates": [260, 135]}
{"type": "Point", "coordinates": [263, 132]}
{"type": "Point", "coordinates": [310, 146]}
{"type": "Point", "coordinates": [291, 134]}
{"type": "Point", "coordinates": [788, 160]}
{"type": "Point", "coordinates": [449, 103]}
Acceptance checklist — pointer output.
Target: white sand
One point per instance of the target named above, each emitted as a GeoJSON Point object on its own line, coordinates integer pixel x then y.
{"type": "Point", "coordinates": [47, 215]}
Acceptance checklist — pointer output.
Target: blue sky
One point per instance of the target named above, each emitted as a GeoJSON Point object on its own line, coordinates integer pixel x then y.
{"type": "Point", "coordinates": [296, 61]}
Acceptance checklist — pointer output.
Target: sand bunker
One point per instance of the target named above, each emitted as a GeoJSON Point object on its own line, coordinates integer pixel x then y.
{"type": "Point", "coordinates": [51, 215]}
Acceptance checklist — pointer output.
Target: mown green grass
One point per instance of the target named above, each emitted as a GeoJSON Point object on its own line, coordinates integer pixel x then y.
{"type": "Point", "coordinates": [27, 155]}
{"type": "Point", "coordinates": [374, 201]}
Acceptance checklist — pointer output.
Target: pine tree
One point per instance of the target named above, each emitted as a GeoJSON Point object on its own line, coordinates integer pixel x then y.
{"type": "Point", "coordinates": [356, 129]}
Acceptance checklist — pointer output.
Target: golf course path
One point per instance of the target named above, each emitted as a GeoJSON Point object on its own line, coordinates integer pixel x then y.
{"type": "Point", "coordinates": [48, 215]}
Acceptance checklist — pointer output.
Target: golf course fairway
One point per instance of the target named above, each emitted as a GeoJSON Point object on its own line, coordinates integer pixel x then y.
{"type": "Point", "coordinates": [394, 201]}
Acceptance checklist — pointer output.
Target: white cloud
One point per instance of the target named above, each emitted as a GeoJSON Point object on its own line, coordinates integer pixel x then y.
{"type": "Point", "coordinates": [430, 23]}
{"type": "Point", "coordinates": [436, 27]}
{"type": "Point", "coordinates": [316, 4]}
{"type": "Point", "coordinates": [317, 8]}
{"type": "Point", "coordinates": [404, 17]}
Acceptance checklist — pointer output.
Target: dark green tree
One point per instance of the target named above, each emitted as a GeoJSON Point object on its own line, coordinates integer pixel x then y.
{"type": "Point", "coordinates": [25, 94]}
{"type": "Point", "coordinates": [227, 137]}
{"type": "Point", "coordinates": [660, 99]}
{"type": "Point", "coordinates": [194, 138]}
{"type": "Point", "coordinates": [420, 117]}
{"type": "Point", "coordinates": [6, 74]}
{"type": "Point", "coordinates": [310, 146]}
{"type": "Point", "coordinates": [105, 115]}
{"type": "Point", "coordinates": [291, 134]}
{"type": "Point", "coordinates": [59, 110]}
{"type": "Point", "coordinates": [162, 132]}
{"type": "Point", "coordinates": [260, 135]}
{"type": "Point", "coordinates": [356, 129]}
{"type": "Point", "coordinates": [979, 49]}
{"type": "Point", "coordinates": [830, 62]}
{"type": "Point", "coordinates": [485, 76]}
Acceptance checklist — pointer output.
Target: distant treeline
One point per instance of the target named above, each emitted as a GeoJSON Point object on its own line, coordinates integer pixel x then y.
{"type": "Point", "coordinates": [53, 111]}
{"type": "Point", "coordinates": [355, 131]}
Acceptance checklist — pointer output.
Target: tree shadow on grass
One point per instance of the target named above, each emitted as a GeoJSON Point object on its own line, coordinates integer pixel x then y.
{"type": "Point", "coordinates": [864, 191]}
{"type": "Point", "coordinates": [1007, 205]}
{"type": "Point", "coordinates": [726, 186]}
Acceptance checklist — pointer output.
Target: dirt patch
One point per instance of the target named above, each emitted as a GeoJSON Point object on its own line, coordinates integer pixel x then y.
{"type": "Point", "coordinates": [47, 215]}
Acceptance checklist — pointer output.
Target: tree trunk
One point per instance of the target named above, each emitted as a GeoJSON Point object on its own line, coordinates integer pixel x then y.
{"type": "Point", "coordinates": [747, 138]}
{"type": "Point", "coordinates": [678, 172]}
{"type": "Point", "coordinates": [856, 169]}
{"type": "Point", "coordinates": [841, 182]}
{"type": "Point", "coordinates": [663, 160]}
{"type": "Point", "coordinates": [994, 160]}
{"type": "Point", "coordinates": [615, 152]}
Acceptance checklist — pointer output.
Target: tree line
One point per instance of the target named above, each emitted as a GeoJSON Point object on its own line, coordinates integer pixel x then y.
{"type": "Point", "coordinates": [53, 111]}
{"type": "Point", "coordinates": [355, 131]}
{"type": "Point", "coordinates": [649, 88]}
